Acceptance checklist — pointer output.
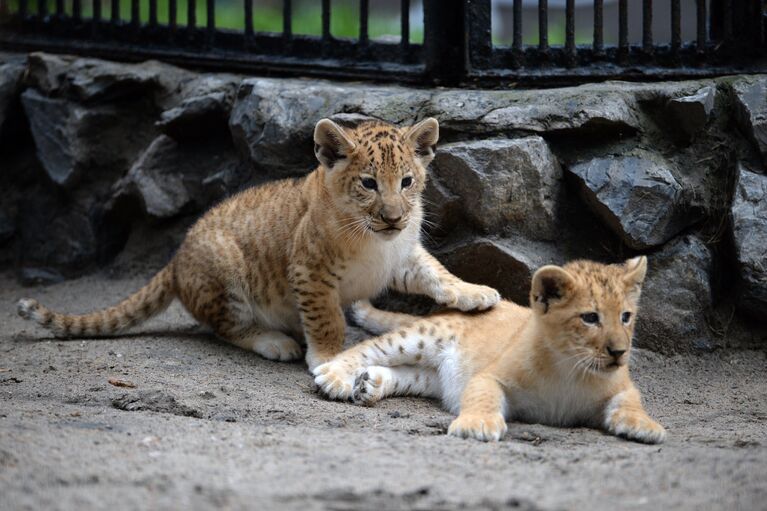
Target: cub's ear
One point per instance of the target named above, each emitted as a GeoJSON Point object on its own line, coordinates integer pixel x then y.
{"type": "Point", "coordinates": [636, 270]}
{"type": "Point", "coordinates": [552, 286]}
{"type": "Point", "coordinates": [423, 137]}
{"type": "Point", "coordinates": [331, 144]}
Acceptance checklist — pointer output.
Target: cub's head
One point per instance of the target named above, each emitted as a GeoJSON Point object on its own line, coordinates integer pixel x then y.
{"type": "Point", "coordinates": [587, 312]}
{"type": "Point", "coordinates": [376, 173]}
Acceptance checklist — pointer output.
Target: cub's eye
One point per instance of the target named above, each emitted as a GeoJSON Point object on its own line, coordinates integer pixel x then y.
{"type": "Point", "coordinates": [370, 183]}
{"type": "Point", "coordinates": [590, 318]}
{"type": "Point", "coordinates": [407, 181]}
{"type": "Point", "coordinates": [626, 317]}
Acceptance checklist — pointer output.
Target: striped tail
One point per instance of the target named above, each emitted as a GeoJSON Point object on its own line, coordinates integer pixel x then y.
{"type": "Point", "coordinates": [148, 301]}
{"type": "Point", "coordinates": [377, 321]}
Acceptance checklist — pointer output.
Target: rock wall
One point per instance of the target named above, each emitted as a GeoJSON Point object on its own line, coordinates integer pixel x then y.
{"type": "Point", "coordinates": [92, 151]}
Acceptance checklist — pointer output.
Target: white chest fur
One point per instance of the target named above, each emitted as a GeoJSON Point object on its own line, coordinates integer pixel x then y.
{"type": "Point", "coordinates": [554, 403]}
{"type": "Point", "coordinates": [370, 270]}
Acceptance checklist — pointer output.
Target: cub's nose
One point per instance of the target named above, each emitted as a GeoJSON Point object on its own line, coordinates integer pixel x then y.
{"type": "Point", "coordinates": [615, 353]}
{"type": "Point", "coordinates": [391, 220]}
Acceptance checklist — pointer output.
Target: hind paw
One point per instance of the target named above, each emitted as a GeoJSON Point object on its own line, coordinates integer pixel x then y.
{"type": "Point", "coordinates": [368, 388]}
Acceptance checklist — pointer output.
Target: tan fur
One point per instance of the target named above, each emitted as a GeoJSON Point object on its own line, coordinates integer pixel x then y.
{"type": "Point", "coordinates": [541, 364]}
{"type": "Point", "coordinates": [279, 262]}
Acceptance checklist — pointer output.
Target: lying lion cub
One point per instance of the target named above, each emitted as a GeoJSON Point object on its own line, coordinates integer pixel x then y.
{"type": "Point", "coordinates": [561, 362]}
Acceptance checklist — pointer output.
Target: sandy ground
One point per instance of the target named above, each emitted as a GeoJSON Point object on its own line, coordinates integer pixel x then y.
{"type": "Point", "coordinates": [208, 425]}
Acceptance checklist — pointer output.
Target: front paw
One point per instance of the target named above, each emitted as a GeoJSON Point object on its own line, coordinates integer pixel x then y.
{"type": "Point", "coordinates": [467, 297]}
{"type": "Point", "coordinates": [480, 427]}
{"type": "Point", "coordinates": [334, 380]}
{"type": "Point", "coordinates": [638, 428]}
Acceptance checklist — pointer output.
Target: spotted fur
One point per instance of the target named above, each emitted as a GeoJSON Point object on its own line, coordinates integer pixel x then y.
{"type": "Point", "coordinates": [275, 264]}
{"type": "Point", "coordinates": [543, 364]}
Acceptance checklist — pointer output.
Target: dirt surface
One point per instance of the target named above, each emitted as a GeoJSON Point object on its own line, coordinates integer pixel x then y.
{"type": "Point", "coordinates": [190, 423]}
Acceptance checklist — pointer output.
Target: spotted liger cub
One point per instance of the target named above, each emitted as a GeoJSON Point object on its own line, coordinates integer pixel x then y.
{"type": "Point", "coordinates": [562, 362]}
{"type": "Point", "coordinates": [277, 263]}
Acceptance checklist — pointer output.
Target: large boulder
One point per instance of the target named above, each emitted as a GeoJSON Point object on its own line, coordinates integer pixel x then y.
{"type": "Point", "coordinates": [750, 99]}
{"type": "Point", "coordinates": [171, 178]}
{"type": "Point", "coordinates": [749, 231]}
{"type": "Point", "coordinates": [505, 264]}
{"type": "Point", "coordinates": [272, 120]}
{"type": "Point", "coordinates": [636, 195]}
{"type": "Point", "coordinates": [691, 113]}
{"type": "Point", "coordinates": [100, 140]}
{"type": "Point", "coordinates": [93, 80]}
{"type": "Point", "coordinates": [676, 298]}
{"type": "Point", "coordinates": [504, 185]}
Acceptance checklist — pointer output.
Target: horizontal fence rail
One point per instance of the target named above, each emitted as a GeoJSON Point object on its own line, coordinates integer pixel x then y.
{"type": "Point", "coordinates": [457, 47]}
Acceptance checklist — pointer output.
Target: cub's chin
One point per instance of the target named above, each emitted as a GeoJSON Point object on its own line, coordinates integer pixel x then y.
{"type": "Point", "coordinates": [388, 233]}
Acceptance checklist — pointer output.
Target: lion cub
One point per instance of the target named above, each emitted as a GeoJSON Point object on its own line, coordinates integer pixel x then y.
{"type": "Point", "coordinates": [276, 263]}
{"type": "Point", "coordinates": [561, 362]}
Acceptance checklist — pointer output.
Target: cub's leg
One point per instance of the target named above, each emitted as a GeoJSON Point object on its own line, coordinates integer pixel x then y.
{"type": "Point", "coordinates": [377, 321]}
{"type": "Point", "coordinates": [423, 274]}
{"type": "Point", "coordinates": [315, 289]}
{"type": "Point", "coordinates": [482, 410]}
{"type": "Point", "coordinates": [418, 344]}
{"type": "Point", "coordinates": [378, 382]}
{"type": "Point", "coordinates": [626, 417]}
{"type": "Point", "coordinates": [214, 287]}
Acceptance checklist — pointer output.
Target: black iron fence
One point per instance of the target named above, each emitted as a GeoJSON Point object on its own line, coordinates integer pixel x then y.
{"type": "Point", "coordinates": [457, 43]}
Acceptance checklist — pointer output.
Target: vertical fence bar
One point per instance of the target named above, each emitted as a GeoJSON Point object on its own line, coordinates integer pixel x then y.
{"type": "Point", "coordinates": [647, 46]}
{"type": "Point", "coordinates": [727, 20]}
{"type": "Point", "coordinates": [77, 10]}
{"type": "Point", "coordinates": [191, 14]}
{"type": "Point", "coordinates": [623, 29]}
{"type": "Point", "coordinates": [152, 13]}
{"type": "Point", "coordinates": [22, 9]}
{"type": "Point", "coordinates": [287, 19]}
{"type": "Point", "coordinates": [676, 26]}
{"type": "Point", "coordinates": [248, 5]}
{"type": "Point", "coordinates": [135, 13]}
{"type": "Point", "coordinates": [364, 9]}
{"type": "Point", "coordinates": [543, 26]}
{"type": "Point", "coordinates": [42, 9]}
{"type": "Point", "coordinates": [405, 25]}
{"type": "Point", "coordinates": [115, 12]}
{"type": "Point", "coordinates": [445, 42]}
{"type": "Point", "coordinates": [325, 20]}
{"type": "Point", "coordinates": [516, 44]}
{"type": "Point", "coordinates": [599, 27]}
{"type": "Point", "coordinates": [570, 32]}
{"type": "Point", "coordinates": [60, 11]}
{"type": "Point", "coordinates": [96, 19]}
{"type": "Point", "coordinates": [701, 37]}
{"type": "Point", "coordinates": [172, 17]}
{"type": "Point", "coordinates": [478, 13]}
{"type": "Point", "coordinates": [211, 19]}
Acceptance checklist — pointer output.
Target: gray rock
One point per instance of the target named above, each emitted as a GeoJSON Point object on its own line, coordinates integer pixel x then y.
{"type": "Point", "coordinates": [609, 108]}
{"type": "Point", "coordinates": [505, 185]}
{"type": "Point", "coordinates": [101, 140]}
{"type": "Point", "coordinates": [170, 177]}
{"type": "Point", "coordinates": [676, 297]}
{"type": "Point", "coordinates": [692, 112]}
{"type": "Point", "coordinates": [272, 120]}
{"type": "Point", "coordinates": [93, 80]}
{"type": "Point", "coordinates": [750, 98]}
{"type": "Point", "coordinates": [749, 230]}
{"type": "Point", "coordinates": [505, 264]}
{"type": "Point", "coordinates": [10, 88]}
{"type": "Point", "coordinates": [203, 111]}
{"type": "Point", "coordinates": [636, 195]}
